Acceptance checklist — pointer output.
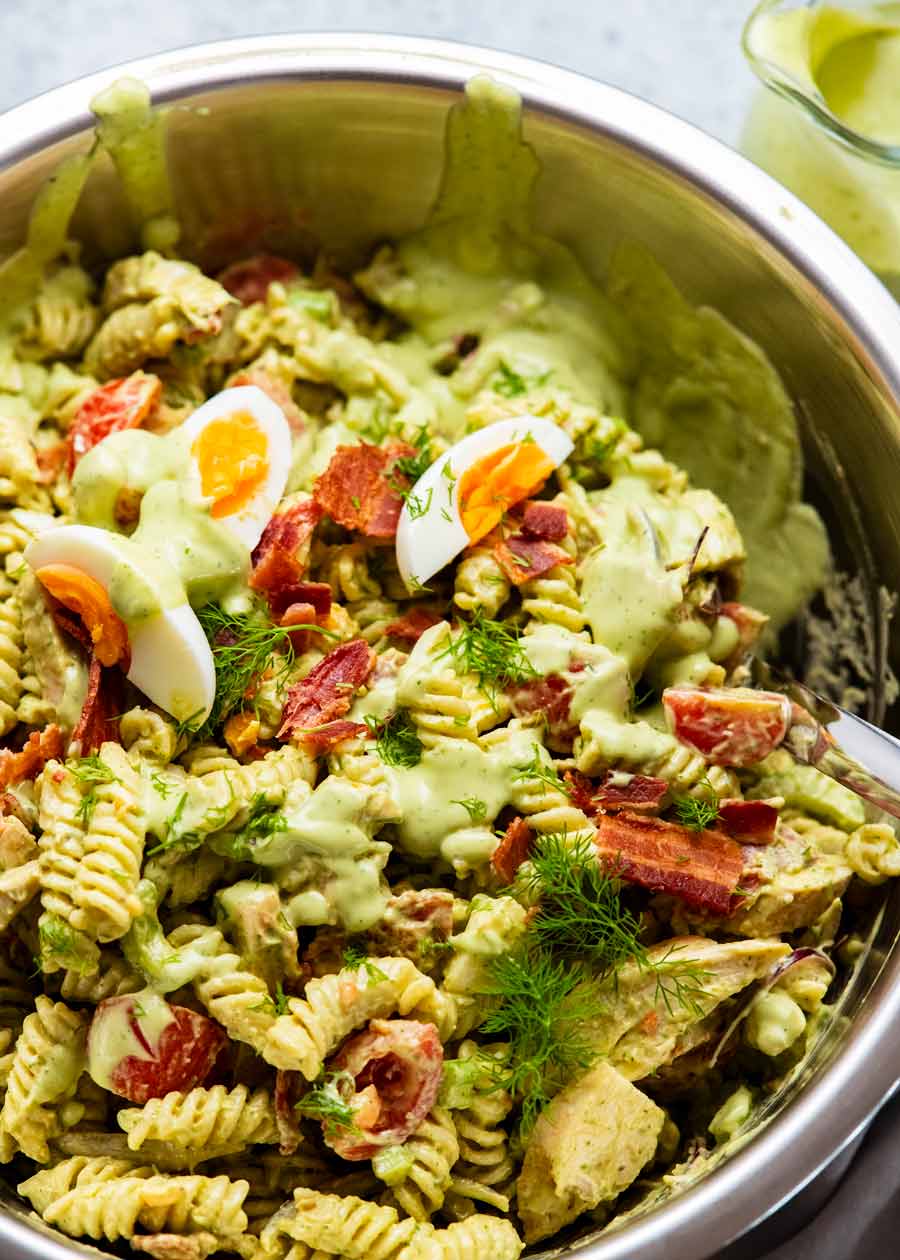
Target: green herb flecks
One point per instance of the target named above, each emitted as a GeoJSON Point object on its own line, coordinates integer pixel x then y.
{"type": "Point", "coordinates": [277, 1005]}
{"type": "Point", "coordinates": [417, 506]}
{"type": "Point", "coordinates": [545, 1006]}
{"type": "Point", "coordinates": [160, 786]}
{"type": "Point", "coordinates": [579, 911]}
{"type": "Point", "coordinates": [476, 809]}
{"type": "Point", "coordinates": [263, 820]}
{"type": "Point", "coordinates": [412, 467]}
{"type": "Point", "coordinates": [492, 651]}
{"type": "Point", "coordinates": [327, 1101]}
{"type": "Point", "coordinates": [397, 739]}
{"type": "Point", "coordinates": [355, 956]}
{"type": "Point", "coordinates": [244, 646]}
{"type": "Point", "coordinates": [543, 772]}
{"type": "Point", "coordinates": [697, 812]}
{"type": "Point", "coordinates": [90, 771]}
{"type": "Point", "coordinates": [511, 384]}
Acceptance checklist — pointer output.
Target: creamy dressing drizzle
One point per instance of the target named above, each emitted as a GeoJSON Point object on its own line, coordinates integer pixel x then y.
{"type": "Point", "coordinates": [113, 1036]}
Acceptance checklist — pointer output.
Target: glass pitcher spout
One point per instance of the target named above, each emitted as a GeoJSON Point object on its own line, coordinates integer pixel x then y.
{"type": "Point", "coordinates": [828, 124]}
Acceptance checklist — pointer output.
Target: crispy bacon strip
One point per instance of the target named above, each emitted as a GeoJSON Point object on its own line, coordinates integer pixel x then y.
{"type": "Point", "coordinates": [249, 279]}
{"type": "Point", "coordinates": [730, 726]}
{"type": "Point", "coordinates": [513, 849]}
{"type": "Point", "coordinates": [640, 793]}
{"type": "Point", "coordinates": [355, 489]}
{"type": "Point", "coordinates": [99, 720]}
{"type": "Point", "coordinates": [121, 404]}
{"type": "Point", "coordinates": [280, 394]}
{"type": "Point", "coordinates": [282, 553]}
{"type": "Point", "coordinates": [522, 559]}
{"type": "Point", "coordinates": [749, 822]}
{"type": "Point", "coordinates": [315, 595]}
{"type": "Point", "coordinates": [550, 696]}
{"type": "Point", "coordinates": [545, 521]}
{"type": "Point", "coordinates": [701, 868]}
{"type": "Point", "coordinates": [412, 625]}
{"type": "Point", "coordinates": [323, 738]}
{"type": "Point", "coordinates": [40, 747]}
{"type": "Point", "coordinates": [327, 691]}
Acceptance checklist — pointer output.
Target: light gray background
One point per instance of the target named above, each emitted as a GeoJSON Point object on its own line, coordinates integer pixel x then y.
{"type": "Point", "coordinates": [682, 54]}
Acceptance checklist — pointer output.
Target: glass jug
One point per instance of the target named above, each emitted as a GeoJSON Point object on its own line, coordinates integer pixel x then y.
{"type": "Point", "coordinates": [828, 124]}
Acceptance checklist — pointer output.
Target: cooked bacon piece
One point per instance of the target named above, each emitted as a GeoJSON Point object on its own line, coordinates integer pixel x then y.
{"type": "Point", "coordinates": [327, 690]}
{"type": "Point", "coordinates": [315, 595]}
{"type": "Point", "coordinates": [702, 868]}
{"type": "Point", "coordinates": [551, 697]}
{"type": "Point", "coordinates": [181, 1057]}
{"type": "Point", "coordinates": [640, 793]}
{"type": "Point", "coordinates": [734, 726]}
{"type": "Point", "coordinates": [40, 747]}
{"type": "Point", "coordinates": [289, 1086]}
{"type": "Point", "coordinates": [513, 849]}
{"type": "Point", "coordinates": [99, 720]}
{"type": "Point", "coordinates": [355, 489]}
{"type": "Point", "coordinates": [412, 625]}
{"type": "Point", "coordinates": [279, 393]}
{"type": "Point", "coordinates": [323, 738]}
{"type": "Point", "coordinates": [522, 559]}
{"type": "Point", "coordinates": [750, 625]}
{"type": "Point", "coordinates": [396, 1065]}
{"type": "Point", "coordinates": [545, 521]}
{"type": "Point", "coordinates": [249, 279]}
{"type": "Point", "coordinates": [121, 404]}
{"type": "Point", "coordinates": [413, 920]}
{"type": "Point", "coordinates": [749, 822]}
{"type": "Point", "coordinates": [282, 553]}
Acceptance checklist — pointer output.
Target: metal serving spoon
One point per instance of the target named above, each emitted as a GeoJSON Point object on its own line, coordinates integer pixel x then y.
{"type": "Point", "coordinates": [857, 754]}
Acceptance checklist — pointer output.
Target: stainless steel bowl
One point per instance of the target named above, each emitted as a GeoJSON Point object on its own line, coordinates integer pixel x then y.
{"type": "Point", "coordinates": [338, 138]}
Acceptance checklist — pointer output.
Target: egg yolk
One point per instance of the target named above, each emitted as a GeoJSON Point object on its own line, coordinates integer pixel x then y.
{"type": "Point", "coordinates": [232, 455]}
{"type": "Point", "coordinates": [491, 485]}
{"type": "Point", "coordinates": [84, 595]}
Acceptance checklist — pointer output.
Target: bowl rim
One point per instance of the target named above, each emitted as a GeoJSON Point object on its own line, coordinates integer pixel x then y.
{"type": "Point", "coordinates": [831, 1110]}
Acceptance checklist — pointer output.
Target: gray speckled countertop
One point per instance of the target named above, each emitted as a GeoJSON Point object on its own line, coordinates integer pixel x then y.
{"type": "Point", "coordinates": [681, 54]}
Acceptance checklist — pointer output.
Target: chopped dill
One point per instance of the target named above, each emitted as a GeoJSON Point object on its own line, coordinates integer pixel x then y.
{"type": "Point", "coordinates": [277, 1005]}
{"type": "Point", "coordinates": [492, 651]}
{"type": "Point", "coordinates": [511, 384]}
{"type": "Point", "coordinates": [354, 499]}
{"type": "Point", "coordinates": [538, 769]}
{"type": "Point", "coordinates": [355, 956]}
{"type": "Point", "coordinates": [91, 770]}
{"type": "Point", "coordinates": [189, 725]}
{"type": "Point", "coordinates": [417, 587]}
{"type": "Point", "coordinates": [244, 646]}
{"type": "Point", "coordinates": [697, 812]}
{"type": "Point", "coordinates": [579, 911]}
{"type": "Point", "coordinates": [413, 466]}
{"type": "Point", "coordinates": [159, 785]}
{"type": "Point", "coordinates": [418, 507]}
{"type": "Point", "coordinates": [544, 1008]}
{"type": "Point", "coordinates": [326, 1101]}
{"type": "Point", "coordinates": [476, 809]}
{"type": "Point", "coordinates": [263, 820]}
{"type": "Point", "coordinates": [679, 984]}
{"type": "Point", "coordinates": [397, 739]}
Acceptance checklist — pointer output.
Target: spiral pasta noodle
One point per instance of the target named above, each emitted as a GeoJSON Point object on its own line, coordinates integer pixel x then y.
{"type": "Point", "coordinates": [203, 1117]}
{"type": "Point", "coordinates": [47, 1061]}
{"type": "Point", "coordinates": [434, 1150]}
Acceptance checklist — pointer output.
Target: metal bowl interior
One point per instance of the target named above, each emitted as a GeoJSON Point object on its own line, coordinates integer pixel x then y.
{"type": "Point", "coordinates": [338, 141]}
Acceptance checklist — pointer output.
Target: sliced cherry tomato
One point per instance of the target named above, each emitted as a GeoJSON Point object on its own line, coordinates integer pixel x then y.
{"type": "Point", "coordinates": [396, 1066]}
{"type": "Point", "coordinates": [121, 404]}
{"type": "Point", "coordinates": [131, 1056]}
{"type": "Point", "coordinates": [729, 726]}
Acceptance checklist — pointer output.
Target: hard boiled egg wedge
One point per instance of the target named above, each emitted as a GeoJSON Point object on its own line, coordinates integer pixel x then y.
{"type": "Point", "coordinates": [136, 611]}
{"type": "Point", "coordinates": [464, 494]}
{"type": "Point", "coordinates": [239, 448]}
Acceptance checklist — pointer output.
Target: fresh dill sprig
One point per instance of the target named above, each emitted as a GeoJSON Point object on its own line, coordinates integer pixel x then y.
{"type": "Point", "coordinates": [418, 507]}
{"type": "Point", "coordinates": [244, 646]}
{"type": "Point", "coordinates": [160, 786]}
{"type": "Point", "coordinates": [326, 1101]}
{"type": "Point", "coordinates": [476, 809]}
{"type": "Point", "coordinates": [697, 812]}
{"type": "Point", "coordinates": [545, 1005]}
{"type": "Point", "coordinates": [413, 466]}
{"type": "Point", "coordinates": [263, 820]}
{"type": "Point", "coordinates": [492, 651]}
{"type": "Point", "coordinates": [277, 1005]}
{"type": "Point", "coordinates": [90, 770]}
{"type": "Point", "coordinates": [579, 911]}
{"type": "Point", "coordinates": [356, 956]}
{"type": "Point", "coordinates": [537, 769]}
{"type": "Point", "coordinates": [397, 739]}
{"type": "Point", "coordinates": [679, 985]}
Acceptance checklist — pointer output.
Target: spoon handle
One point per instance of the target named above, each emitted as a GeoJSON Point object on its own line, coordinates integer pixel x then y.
{"type": "Point", "coordinates": [858, 755]}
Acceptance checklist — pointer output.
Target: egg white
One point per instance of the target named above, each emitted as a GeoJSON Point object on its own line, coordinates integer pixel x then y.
{"type": "Point", "coordinates": [248, 523]}
{"type": "Point", "coordinates": [430, 533]}
{"type": "Point", "coordinates": [171, 660]}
